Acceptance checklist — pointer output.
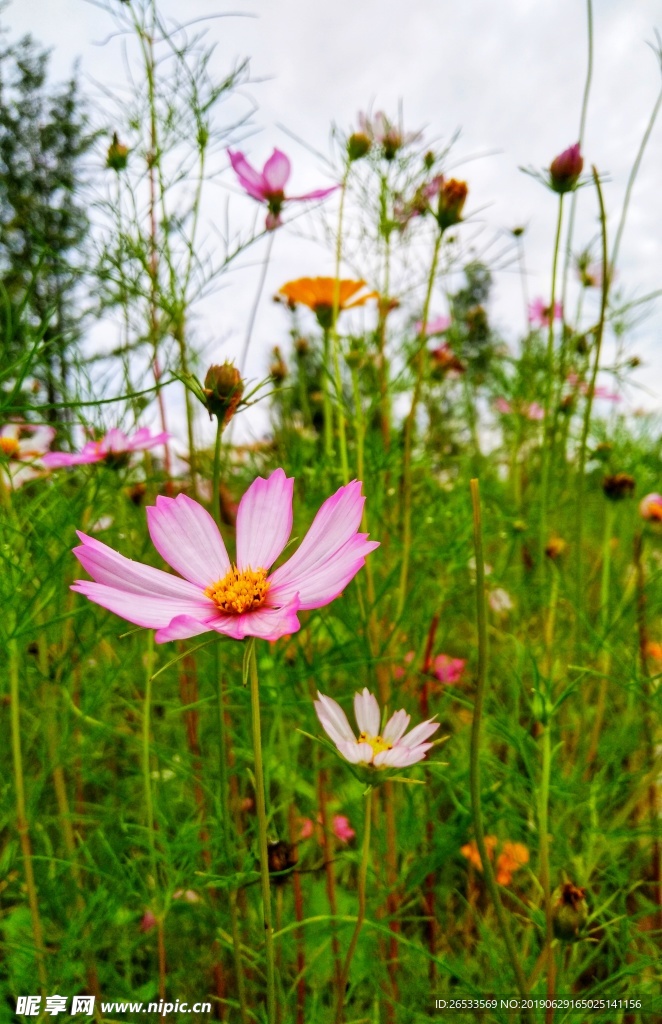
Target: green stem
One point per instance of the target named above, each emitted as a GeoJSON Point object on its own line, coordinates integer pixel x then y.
{"type": "Point", "coordinates": [21, 816]}
{"type": "Point", "coordinates": [363, 875]}
{"type": "Point", "coordinates": [410, 424]}
{"type": "Point", "coordinates": [147, 779]}
{"type": "Point", "coordinates": [579, 527]}
{"type": "Point", "coordinates": [326, 401]}
{"type": "Point", "coordinates": [474, 765]}
{"type": "Point", "coordinates": [223, 761]}
{"type": "Point", "coordinates": [258, 296]}
{"type": "Point", "coordinates": [543, 826]}
{"type": "Point", "coordinates": [549, 387]}
{"type": "Point", "coordinates": [335, 340]}
{"type": "Point", "coordinates": [262, 830]}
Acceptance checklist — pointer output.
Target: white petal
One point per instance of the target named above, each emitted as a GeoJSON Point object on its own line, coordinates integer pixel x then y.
{"type": "Point", "coordinates": [356, 753]}
{"type": "Point", "coordinates": [333, 720]}
{"type": "Point", "coordinates": [419, 734]}
{"type": "Point", "coordinates": [366, 712]}
{"type": "Point", "coordinates": [396, 726]}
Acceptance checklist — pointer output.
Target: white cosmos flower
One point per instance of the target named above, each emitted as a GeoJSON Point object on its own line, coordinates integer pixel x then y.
{"type": "Point", "coordinates": [389, 749]}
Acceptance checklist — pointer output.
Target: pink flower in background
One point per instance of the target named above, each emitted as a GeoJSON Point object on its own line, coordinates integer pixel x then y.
{"type": "Point", "coordinates": [268, 185]}
{"type": "Point", "coordinates": [448, 670]}
{"type": "Point", "coordinates": [600, 391]}
{"type": "Point", "coordinates": [237, 599]}
{"type": "Point", "coordinates": [22, 447]}
{"type": "Point", "coordinates": [389, 749]}
{"type": "Point", "coordinates": [650, 508]}
{"type": "Point", "coordinates": [503, 406]}
{"type": "Point", "coordinates": [539, 312]}
{"type": "Point", "coordinates": [148, 921]}
{"type": "Point", "coordinates": [399, 672]}
{"type": "Point", "coordinates": [115, 446]}
{"type": "Point", "coordinates": [533, 411]}
{"type": "Point", "coordinates": [436, 326]}
{"type": "Point", "coordinates": [342, 829]}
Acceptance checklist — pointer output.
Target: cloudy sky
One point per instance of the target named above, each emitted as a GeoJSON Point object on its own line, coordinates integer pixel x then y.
{"type": "Point", "coordinates": [509, 75]}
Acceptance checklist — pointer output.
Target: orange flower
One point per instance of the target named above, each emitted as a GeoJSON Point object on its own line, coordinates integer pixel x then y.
{"type": "Point", "coordinates": [321, 294]}
{"type": "Point", "coordinates": [654, 650]}
{"type": "Point", "coordinates": [512, 857]}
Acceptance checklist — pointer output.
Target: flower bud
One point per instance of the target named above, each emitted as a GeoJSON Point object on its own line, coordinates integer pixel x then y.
{"type": "Point", "coordinates": [223, 390]}
{"type": "Point", "coordinates": [301, 347]}
{"type": "Point", "coordinates": [618, 486]}
{"type": "Point", "coordinates": [452, 197]}
{"type": "Point", "coordinates": [569, 912]}
{"type": "Point", "coordinates": [278, 369]}
{"type": "Point", "coordinates": [358, 146]}
{"type": "Point", "coordinates": [565, 169]}
{"type": "Point", "coordinates": [118, 155]}
{"type": "Point", "coordinates": [555, 548]}
{"type": "Point", "coordinates": [281, 856]}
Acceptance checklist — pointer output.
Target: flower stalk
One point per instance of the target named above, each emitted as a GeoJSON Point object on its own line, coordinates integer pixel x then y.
{"type": "Point", "coordinates": [363, 875]}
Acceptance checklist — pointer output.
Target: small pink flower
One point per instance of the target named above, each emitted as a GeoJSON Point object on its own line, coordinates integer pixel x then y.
{"type": "Point", "coordinates": [539, 312]}
{"type": "Point", "coordinates": [342, 829]}
{"type": "Point", "coordinates": [448, 670]}
{"type": "Point", "coordinates": [650, 508]}
{"type": "Point", "coordinates": [237, 599]}
{"type": "Point", "coordinates": [115, 446]}
{"type": "Point", "coordinates": [503, 406]}
{"type": "Point", "coordinates": [399, 672]}
{"type": "Point", "coordinates": [268, 185]}
{"type": "Point", "coordinates": [433, 327]}
{"type": "Point", "coordinates": [388, 749]}
{"type": "Point", "coordinates": [533, 411]}
{"type": "Point", "coordinates": [600, 391]}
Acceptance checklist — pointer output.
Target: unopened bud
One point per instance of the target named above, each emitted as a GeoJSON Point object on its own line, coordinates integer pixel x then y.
{"type": "Point", "coordinates": [118, 155]}
{"type": "Point", "coordinates": [358, 146]}
{"type": "Point", "coordinates": [565, 169]}
{"type": "Point", "coordinates": [301, 347]}
{"type": "Point", "coordinates": [223, 390]}
{"type": "Point", "coordinates": [452, 197]}
{"type": "Point", "coordinates": [555, 548]}
{"type": "Point", "coordinates": [278, 369]}
{"type": "Point", "coordinates": [569, 912]}
{"type": "Point", "coordinates": [281, 856]}
{"type": "Point", "coordinates": [618, 486]}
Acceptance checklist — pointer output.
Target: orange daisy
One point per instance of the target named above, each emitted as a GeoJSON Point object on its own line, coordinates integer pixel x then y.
{"type": "Point", "coordinates": [512, 857]}
{"type": "Point", "coordinates": [321, 293]}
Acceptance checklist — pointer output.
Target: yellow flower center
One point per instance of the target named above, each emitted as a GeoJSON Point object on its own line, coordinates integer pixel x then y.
{"type": "Point", "coordinates": [239, 592]}
{"type": "Point", "coordinates": [9, 446]}
{"type": "Point", "coordinates": [376, 742]}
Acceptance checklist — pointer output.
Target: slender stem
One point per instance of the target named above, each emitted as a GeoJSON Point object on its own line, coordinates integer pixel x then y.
{"type": "Point", "coordinates": [262, 831]}
{"type": "Point", "coordinates": [363, 875]}
{"type": "Point", "coordinates": [605, 655]}
{"type": "Point", "coordinates": [223, 760]}
{"type": "Point", "coordinates": [579, 526]}
{"type": "Point", "coordinates": [256, 302]}
{"type": "Point", "coordinates": [326, 400]}
{"type": "Point", "coordinates": [543, 827]}
{"type": "Point", "coordinates": [410, 424]}
{"type": "Point", "coordinates": [549, 387]}
{"type": "Point", "coordinates": [147, 779]}
{"type": "Point", "coordinates": [474, 766]}
{"type": "Point", "coordinates": [21, 816]}
{"type": "Point", "coordinates": [335, 340]}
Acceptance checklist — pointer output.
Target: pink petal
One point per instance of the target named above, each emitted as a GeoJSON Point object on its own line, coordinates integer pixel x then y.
{"type": "Point", "coordinates": [141, 609]}
{"type": "Point", "coordinates": [330, 554]}
{"type": "Point", "coordinates": [333, 720]}
{"type": "Point", "coordinates": [264, 521]}
{"type": "Point", "coordinates": [106, 565]}
{"type": "Point", "coordinates": [59, 460]}
{"type": "Point", "coordinates": [267, 623]}
{"type": "Point", "coordinates": [276, 171]}
{"type": "Point", "coordinates": [401, 757]}
{"type": "Point", "coordinates": [318, 193]}
{"type": "Point", "coordinates": [144, 439]}
{"type": "Point", "coordinates": [115, 441]}
{"type": "Point", "coordinates": [366, 712]}
{"type": "Point", "coordinates": [355, 753]}
{"type": "Point", "coordinates": [251, 180]}
{"type": "Point", "coordinates": [182, 627]}
{"type": "Point", "coordinates": [187, 537]}
{"type": "Point", "coordinates": [396, 726]}
{"type": "Point", "coordinates": [418, 734]}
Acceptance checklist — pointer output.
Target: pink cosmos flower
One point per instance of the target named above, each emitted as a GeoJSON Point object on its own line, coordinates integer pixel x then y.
{"type": "Point", "coordinates": [239, 598]}
{"type": "Point", "coordinates": [23, 446]}
{"type": "Point", "coordinates": [436, 326]}
{"type": "Point", "coordinates": [650, 508]}
{"type": "Point", "coordinates": [342, 829]}
{"type": "Point", "coordinates": [533, 411]}
{"type": "Point", "coordinates": [112, 448]}
{"type": "Point", "coordinates": [388, 749]}
{"type": "Point", "coordinates": [600, 391]}
{"type": "Point", "coordinates": [539, 311]}
{"type": "Point", "coordinates": [448, 670]}
{"type": "Point", "coordinates": [503, 406]}
{"type": "Point", "coordinates": [268, 185]}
